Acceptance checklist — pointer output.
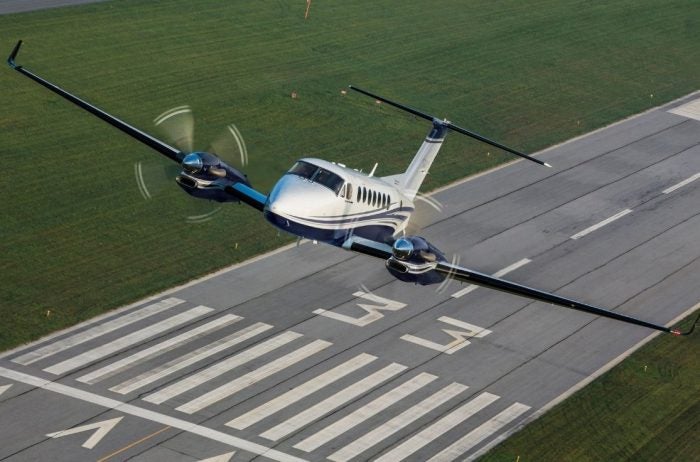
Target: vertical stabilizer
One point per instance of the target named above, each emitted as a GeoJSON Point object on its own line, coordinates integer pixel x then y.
{"type": "Point", "coordinates": [413, 177]}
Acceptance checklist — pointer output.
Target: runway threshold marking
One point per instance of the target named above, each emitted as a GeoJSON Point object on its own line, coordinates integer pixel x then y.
{"type": "Point", "coordinates": [681, 184]}
{"type": "Point", "coordinates": [220, 368]}
{"type": "Point", "coordinates": [367, 411]}
{"type": "Point", "coordinates": [599, 225]}
{"type": "Point", "coordinates": [480, 433]}
{"type": "Point", "coordinates": [191, 358]}
{"type": "Point", "coordinates": [96, 331]}
{"type": "Point", "coordinates": [251, 378]}
{"type": "Point", "coordinates": [300, 392]}
{"type": "Point", "coordinates": [158, 349]}
{"type": "Point", "coordinates": [333, 402]}
{"type": "Point", "coordinates": [135, 443]}
{"type": "Point", "coordinates": [396, 424]}
{"type": "Point", "coordinates": [128, 340]}
{"type": "Point", "coordinates": [438, 428]}
{"type": "Point", "coordinates": [153, 416]}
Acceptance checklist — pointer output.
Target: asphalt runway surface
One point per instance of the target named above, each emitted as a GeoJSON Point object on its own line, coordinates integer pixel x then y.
{"type": "Point", "coordinates": [22, 6]}
{"type": "Point", "coordinates": [314, 353]}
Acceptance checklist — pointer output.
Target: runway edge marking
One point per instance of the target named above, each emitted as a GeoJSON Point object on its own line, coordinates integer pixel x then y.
{"type": "Point", "coordinates": [612, 363]}
{"type": "Point", "coordinates": [153, 416]}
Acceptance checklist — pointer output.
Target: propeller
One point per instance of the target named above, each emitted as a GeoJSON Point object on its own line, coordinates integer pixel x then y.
{"type": "Point", "coordinates": [154, 178]}
{"type": "Point", "coordinates": [426, 211]}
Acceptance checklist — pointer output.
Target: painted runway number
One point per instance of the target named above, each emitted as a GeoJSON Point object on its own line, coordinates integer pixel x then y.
{"type": "Point", "coordinates": [460, 336]}
{"type": "Point", "coordinates": [373, 312]}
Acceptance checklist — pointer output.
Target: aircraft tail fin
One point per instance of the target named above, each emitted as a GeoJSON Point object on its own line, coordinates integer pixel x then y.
{"type": "Point", "coordinates": [413, 177]}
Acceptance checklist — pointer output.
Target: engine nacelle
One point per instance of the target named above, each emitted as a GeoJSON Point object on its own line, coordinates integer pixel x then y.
{"type": "Point", "coordinates": [205, 176]}
{"type": "Point", "coordinates": [414, 260]}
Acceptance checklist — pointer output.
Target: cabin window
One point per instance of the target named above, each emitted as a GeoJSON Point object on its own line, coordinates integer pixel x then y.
{"type": "Point", "coordinates": [359, 194]}
{"type": "Point", "coordinates": [364, 195]}
{"type": "Point", "coordinates": [374, 198]}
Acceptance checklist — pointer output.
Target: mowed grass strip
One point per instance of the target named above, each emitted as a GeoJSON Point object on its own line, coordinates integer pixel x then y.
{"type": "Point", "coordinates": [76, 236]}
{"type": "Point", "coordinates": [645, 409]}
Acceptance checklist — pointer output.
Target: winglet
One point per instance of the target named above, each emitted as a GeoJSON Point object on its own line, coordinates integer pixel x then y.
{"type": "Point", "coordinates": [13, 55]}
{"type": "Point", "coordinates": [690, 331]}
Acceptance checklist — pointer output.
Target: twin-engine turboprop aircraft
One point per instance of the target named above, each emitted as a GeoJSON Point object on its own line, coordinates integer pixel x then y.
{"type": "Point", "coordinates": [330, 203]}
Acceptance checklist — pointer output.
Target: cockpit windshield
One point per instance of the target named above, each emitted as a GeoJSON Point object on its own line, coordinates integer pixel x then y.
{"type": "Point", "coordinates": [317, 175]}
{"type": "Point", "coordinates": [303, 169]}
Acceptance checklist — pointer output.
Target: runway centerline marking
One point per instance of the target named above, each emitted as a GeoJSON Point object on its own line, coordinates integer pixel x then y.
{"type": "Point", "coordinates": [681, 184]}
{"type": "Point", "coordinates": [498, 274]}
{"type": "Point", "coordinates": [599, 225]}
{"type": "Point", "coordinates": [133, 410]}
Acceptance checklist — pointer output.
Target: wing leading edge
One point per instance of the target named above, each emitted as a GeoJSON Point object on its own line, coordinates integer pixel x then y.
{"type": "Point", "coordinates": [239, 190]}
{"type": "Point", "coordinates": [383, 251]}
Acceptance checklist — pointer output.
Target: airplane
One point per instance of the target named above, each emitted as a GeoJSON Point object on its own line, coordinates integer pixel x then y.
{"type": "Point", "coordinates": [328, 202]}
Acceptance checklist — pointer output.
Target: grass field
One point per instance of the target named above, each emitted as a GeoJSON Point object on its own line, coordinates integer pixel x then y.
{"type": "Point", "coordinates": [77, 238]}
{"type": "Point", "coordinates": [646, 409]}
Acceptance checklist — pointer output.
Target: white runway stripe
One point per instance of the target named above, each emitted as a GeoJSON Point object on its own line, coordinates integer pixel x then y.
{"type": "Point", "coordinates": [329, 404]}
{"type": "Point", "coordinates": [127, 341]}
{"type": "Point", "coordinates": [398, 423]}
{"type": "Point", "coordinates": [607, 221]}
{"type": "Point", "coordinates": [191, 358]}
{"type": "Point", "coordinates": [158, 349]}
{"type": "Point", "coordinates": [480, 433]}
{"type": "Point", "coordinates": [365, 412]}
{"type": "Point", "coordinates": [220, 368]}
{"type": "Point", "coordinates": [253, 377]}
{"type": "Point", "coordinates": [685, 182]}
{"type": "Point", "coordinates": [437, 429]}
{"type": "Point", "coordinates": [498, 274]}
{"type": "Point", "coordinates": [96, 331]}
{"type": "Point", "coordinates": [297, 393]}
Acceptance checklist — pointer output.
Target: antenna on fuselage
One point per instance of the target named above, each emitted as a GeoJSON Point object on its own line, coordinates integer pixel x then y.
{"type": "Point", "coordinates": [373, 169]}
{"type": "Point", "coordinates": [450, 125]}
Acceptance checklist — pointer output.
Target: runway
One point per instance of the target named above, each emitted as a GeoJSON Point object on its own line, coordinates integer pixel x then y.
{"type": "Point", "coordinates": [313, 353]}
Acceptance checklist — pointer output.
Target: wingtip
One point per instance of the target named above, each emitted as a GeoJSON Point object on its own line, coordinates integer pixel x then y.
{"type": "Point", "coordinates": [13, 55]}
{"type": "Point", "coordinates": [678, 332]}
{"type": "Point", "coordinates": [547, 165]}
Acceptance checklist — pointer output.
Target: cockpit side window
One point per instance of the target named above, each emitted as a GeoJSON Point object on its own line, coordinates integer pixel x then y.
{"type": "Point", "coordinates": [303, 169]}
{"type": "Point", "coordinates": [328, 179]}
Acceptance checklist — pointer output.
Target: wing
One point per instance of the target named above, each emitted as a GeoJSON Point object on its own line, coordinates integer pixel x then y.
{"type": "Point", "coordinates": [240, 190]}
{"type": "Point", "coordinates": [384, 251]}
{"type": "Point", "coordinates": [150, 141]}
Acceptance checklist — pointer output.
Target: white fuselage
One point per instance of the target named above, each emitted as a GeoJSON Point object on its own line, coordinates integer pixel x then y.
{"type": "Point", "coordinates": [329, 202]}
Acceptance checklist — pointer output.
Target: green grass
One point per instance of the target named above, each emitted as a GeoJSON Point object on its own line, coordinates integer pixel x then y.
{"type": "Point", "coordinates": [645, 409]}
{"type": "Point", "coordinates": [77, 238]}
